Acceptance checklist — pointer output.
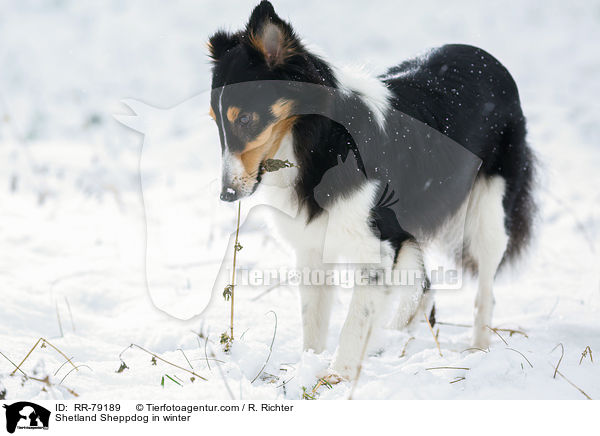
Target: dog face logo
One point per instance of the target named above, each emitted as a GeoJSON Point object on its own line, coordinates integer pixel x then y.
{"type": "Point", "coordinates": [26, 415]}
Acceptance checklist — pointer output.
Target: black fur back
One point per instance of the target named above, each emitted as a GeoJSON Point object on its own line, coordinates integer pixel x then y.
{"type": "Point", "coordinates": [467, 94]}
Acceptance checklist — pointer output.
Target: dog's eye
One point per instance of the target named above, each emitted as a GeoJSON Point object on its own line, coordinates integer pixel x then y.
{"type": "Point", "coordinates": [244, 119]}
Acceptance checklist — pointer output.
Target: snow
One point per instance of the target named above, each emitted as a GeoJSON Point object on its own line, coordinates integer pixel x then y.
{"type": "Point", "coordinates": [78, 208]}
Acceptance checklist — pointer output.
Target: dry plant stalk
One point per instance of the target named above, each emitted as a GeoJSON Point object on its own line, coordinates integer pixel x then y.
{"type": "Point", "coordinates": [229, 291]}
{"type": "Point", "coordinates": [186, 358]}
{"type": "Point", "coordinates": [559, 360]}
{"type": "Point", "coordinates": [412, 338]}
{"type": "Point", "coordinates": [44, 342]}
{"type": "Point", "coordinates": [59, 321]}
{"type": "Point", "coordinates": [46, 380]}
{"type": "Point", "coordinates": [156, 356]}
{"type": "Point", "coordinates": [70, 314]}
{"type": "Point", "coordinates": [270, 348]}
{"type": "Point", "coordinates": [573, 384]}
{"type": "Point", "coordinates": [236, 248]}
{"type": "Point", "coordinates": [585, 353]}
{"type": "Point", "coordinates": [495, 329]}
{"type": "Point", "coordinates": [214, 357]}
{"type": "Point", "coordinates": [498, 334]}
{"type": "Point", "coordinates": [458, 379]}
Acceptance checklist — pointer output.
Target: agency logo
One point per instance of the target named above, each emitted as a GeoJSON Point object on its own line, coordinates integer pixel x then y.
{"type": "Point", "coordinates": [26, 415]}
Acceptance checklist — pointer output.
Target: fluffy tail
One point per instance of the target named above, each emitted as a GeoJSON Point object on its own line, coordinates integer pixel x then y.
{"type": "Point", "coordinates": [519, 204]}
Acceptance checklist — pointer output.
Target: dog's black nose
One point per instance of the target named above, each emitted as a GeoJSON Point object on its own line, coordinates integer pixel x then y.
{"type": "Point", "coordinates": [229, 194]}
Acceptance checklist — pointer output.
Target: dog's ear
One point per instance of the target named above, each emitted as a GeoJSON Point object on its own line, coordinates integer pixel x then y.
{"type": "Point", "coordinates": [270, 35]}
{"type": "Point", "coordinates": [220, 43]}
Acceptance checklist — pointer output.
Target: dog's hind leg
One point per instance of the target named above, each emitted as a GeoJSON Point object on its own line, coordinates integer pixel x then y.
{"type": "Point", "coordinates": [485, 244]}
{"type": "Point", "coordinates": [412, 303]}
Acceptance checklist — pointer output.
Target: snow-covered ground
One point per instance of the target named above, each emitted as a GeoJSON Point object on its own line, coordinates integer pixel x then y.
{"type": "Point", "coordinates": [73, 232]}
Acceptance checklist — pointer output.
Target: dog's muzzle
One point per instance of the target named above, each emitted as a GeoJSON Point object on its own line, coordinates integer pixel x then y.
{"type": "Point", "coordinates": [229, 194]}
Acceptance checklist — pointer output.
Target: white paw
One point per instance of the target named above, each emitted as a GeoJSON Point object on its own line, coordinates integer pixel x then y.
{"type": "Point", "coordinates": [343, 371]}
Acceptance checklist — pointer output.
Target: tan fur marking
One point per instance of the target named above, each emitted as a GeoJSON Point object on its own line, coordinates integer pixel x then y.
{"type": "Point", "coordinates": [256, 42]}
{"type": "Point", "coordinates": [212, 113]}
{"type": "Point", "coordinates": [282, 108]}
{"type": "Point", "coordinates": [265, 145]}
{"type": "Point", "coordinates": [286, 47]}
{"type": "Point", "coordinates": [232, 113]}
{"type": "Point", "coordinates": [251, 159]}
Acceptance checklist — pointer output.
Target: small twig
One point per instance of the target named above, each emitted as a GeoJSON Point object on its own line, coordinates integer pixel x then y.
{"type": "Point", "coordinates": [188, 360]}
{"type": "Point", "coordinates": [285, 382]}
{"type": "Point", "coordinates": [585, 353]}
{"type": "Point", "coordinates": [235, 250]}
{"type": "Point", "coordinates": [70, 314]}
{"type": "Point", "coordinates": [245, 331]}
{"type": "Point", "coordinates": [453, 324]}
{"type": "Point", "coordinates": [58, 318]}
{"type": "Point", "coordinates": [178, 378]}
{"type": "Point", "coordinates": [47, 382]}
{"type": "Point", "coordinates": [511, 332]}
{"type": "Point", "coordinates": [200, 334]}
{"type": "Point", "coordinates": [574, 385]}
{"type": "Point", "coordinates": [13, 364]}
{"type": "Point", "coordinates": [458, 379]}
{"type": "Point", "coordinates": [475, 348]}
{"type": "Point", "coordinates": [406, 346]}
{"type": "Point", "coordinates": [173, 380]}
{"type": "Point", "coordinates": [212, 354]}
{"type": "Point", "coordinates": [272, 165]}
{"type": "Point", "coordinates": [517, 351]}
{"type": "Point", "coordinates": [499, 335]}
{"type": "Point", "coordinates": [206, 359]}
{"type": "Point", "coordinates": [60, 367]}
{"type": "Point", "coordinates": [76, 368]}
{"type": "Point", "coordinates": [33, 348]}
{"type": "Point", "coordinates": [317, 386]}
{"type": "Point", "coordinates": [313, 394]}
{"type": "Point", "coordinates": [559, 360]}
{"type": "Point", "coordinates": [433, 334]}
{"type": "Point", "coordinates": [205, 353]}
{"type": "Point", "coordinates": [270, 348]}
{"type": "Point", "coordinates": [163, 360]}
{"type": "Point", "coordinates": [498, 329]}
{"type": "Point", "coordinates": [553, 308]}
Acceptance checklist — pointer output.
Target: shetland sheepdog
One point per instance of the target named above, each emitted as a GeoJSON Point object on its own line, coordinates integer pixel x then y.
{"type": "Point", "coordinates": [385, 198]}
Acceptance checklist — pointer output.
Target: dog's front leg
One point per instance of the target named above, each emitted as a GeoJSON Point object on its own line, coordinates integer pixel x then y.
{"type": "Point", "coordinates": [316, 301]}
{"type": "Point", "coordinates": [366, 307]}
{"type": "Point", "coordinates": [371, 300]}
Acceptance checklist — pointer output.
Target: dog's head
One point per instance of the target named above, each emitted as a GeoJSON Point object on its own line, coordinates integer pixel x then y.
{"type": "Point", "coordinates": [253, 118]}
